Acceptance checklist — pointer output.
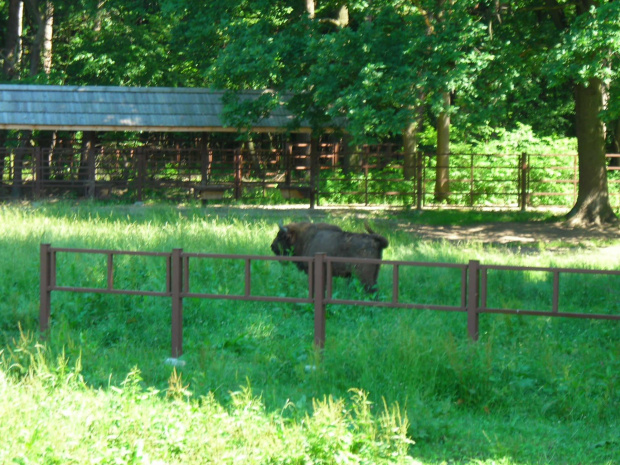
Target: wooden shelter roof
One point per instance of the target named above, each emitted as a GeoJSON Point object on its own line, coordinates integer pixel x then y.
{"type": "Point", "coordinates": [95, 108]}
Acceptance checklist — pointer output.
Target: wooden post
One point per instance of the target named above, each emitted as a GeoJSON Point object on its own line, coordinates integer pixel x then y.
{"type": "Point", "coordinates": [471, 180]}
{"type": "Point", "coordinates": [319, 300]}
{"type": "Point", "coordinates": [419, 176]}
{"type": "Point", "coordinates": [473, 290]}
{"type": "Point", "coordinates": [523, 173]}
{"type": "Point", "coordinates": [366, 158]}
{"type": "Point", "coordinates": [238, 172]}
{"type": "Point", "coordinates": [140, 155]}
{"type": "Point", "coordinates": [92, 171]}
{"type": "Point", "coordinates": [205, 162]}
{"type": "Point", "coordinates": [176, 287]}
{"type": "Point", "coordinates": [45, 288]}
{"type": "Point", "coordinates": [38, 172]}
{"type": "Point", "coordinates": [315, 168]}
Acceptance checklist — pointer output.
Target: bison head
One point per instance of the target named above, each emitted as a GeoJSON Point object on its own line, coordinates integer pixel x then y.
{"type": "Point", "coordinates": [283, 243]}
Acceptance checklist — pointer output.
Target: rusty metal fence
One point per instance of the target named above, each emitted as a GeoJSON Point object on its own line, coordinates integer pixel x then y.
{"type": "Point", "coordinates": [371, 175]}
{"type": "Point", "coordinates": [474, 287]}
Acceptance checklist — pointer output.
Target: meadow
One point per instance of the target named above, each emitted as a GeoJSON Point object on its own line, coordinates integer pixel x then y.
{"type": "Point", "coordinates": [391, 386]}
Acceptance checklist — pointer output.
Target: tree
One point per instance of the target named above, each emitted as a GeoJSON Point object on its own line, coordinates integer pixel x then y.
{"type": "Point", "coordinates": [588, 56]}
{"type": "Point", "coordinates": [41, 50]}
{"type": "Point", "coordinates": [113, 42]}
{"type": "Point", "coordinates": [12, 50]}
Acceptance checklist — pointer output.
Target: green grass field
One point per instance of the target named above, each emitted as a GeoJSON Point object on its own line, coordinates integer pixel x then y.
{"type": "Point", "coordinates": [533, 390]}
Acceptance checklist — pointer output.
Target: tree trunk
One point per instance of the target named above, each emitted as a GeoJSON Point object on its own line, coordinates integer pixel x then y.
{"type": "Point", "coordinates": [410, 145]}
{"type": "Point", "coordinates": [12, 44]}
{"type": "Point", "coordinates": [442, 178]}
{"type": "Point", "coordinates": [310, 8]}
{"type": "Point", "coordinates": [37, 42]}
{"type": "Point", "coordinates": [592, 207]}
{"type": "Point", "coordinates": [47, 37]}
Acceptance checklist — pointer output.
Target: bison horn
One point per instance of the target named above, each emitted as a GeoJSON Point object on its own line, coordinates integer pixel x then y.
{"type": "Point", "coordinates": [281, 226]}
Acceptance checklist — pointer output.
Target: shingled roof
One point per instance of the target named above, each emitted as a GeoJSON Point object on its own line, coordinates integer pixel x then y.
{"type": "Point", "coordinates": [93, 108]}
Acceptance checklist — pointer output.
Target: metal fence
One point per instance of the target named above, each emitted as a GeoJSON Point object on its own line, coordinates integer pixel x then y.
{"type": "Point", "coordinates": [371, 175]}
{"type": "Point", "coordinates": [475, 292]}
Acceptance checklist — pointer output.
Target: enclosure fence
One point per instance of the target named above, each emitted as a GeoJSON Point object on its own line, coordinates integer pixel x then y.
{"type": "Point", "coordinates": [370, 175]}
{"type": "Point", "coordinates": [475, 291]}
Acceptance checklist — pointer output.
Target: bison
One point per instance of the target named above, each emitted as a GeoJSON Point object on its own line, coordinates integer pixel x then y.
{"type": "Point", "coordinates": [307, 239]}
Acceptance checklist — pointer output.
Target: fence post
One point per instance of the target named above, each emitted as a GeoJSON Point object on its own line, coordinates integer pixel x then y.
{"type": "Point", "coordinates": [140, 156]}
{"type": "Point", "coordinates": [319, 300]}
{"type": "Point", "coordinates": [176, 287]}
{"type": "Point", "coordinates": [38, 172]}
{"type": "Point", "coordinates": [419, 178]}
{"type": "Point", "coordinates": [238, 168]}
{"type": "Point", "coordinates": [45, 289]}
{"type": "Point", "coordinates": [473, 289]}
{"type": "Point", "coordinates": [92, 171]}
{"type": "Point", "coordinates": [523, 185]}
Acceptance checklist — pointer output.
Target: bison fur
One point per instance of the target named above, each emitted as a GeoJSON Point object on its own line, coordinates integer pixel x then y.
{"type": "Point", "coordinates": [307, 239]}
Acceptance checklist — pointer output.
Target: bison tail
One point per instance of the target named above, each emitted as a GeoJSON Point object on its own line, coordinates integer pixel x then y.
{"type": "Point", "coordinates": [382, 241]}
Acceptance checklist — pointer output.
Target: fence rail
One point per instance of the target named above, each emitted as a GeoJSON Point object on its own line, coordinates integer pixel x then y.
{"type": "Point", "coordinates": [368, 176]}
{"type": "Point", "coordinates": [474, 288]}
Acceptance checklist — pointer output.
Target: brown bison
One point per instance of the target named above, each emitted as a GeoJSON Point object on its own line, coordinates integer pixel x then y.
{"type": "Point", "coordinates": [307, 239]}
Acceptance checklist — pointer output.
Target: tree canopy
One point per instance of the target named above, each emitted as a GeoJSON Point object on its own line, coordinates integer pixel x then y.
{"type": "Point", "coordinates": [379, 70]}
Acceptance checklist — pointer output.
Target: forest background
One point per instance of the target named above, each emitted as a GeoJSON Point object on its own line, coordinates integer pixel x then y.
{"type": "Point", "coordinates": [435, 71]}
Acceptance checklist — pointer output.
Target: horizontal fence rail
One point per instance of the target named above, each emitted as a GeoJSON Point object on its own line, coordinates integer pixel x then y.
{"type": "Point", "coordinates": [473, 299]}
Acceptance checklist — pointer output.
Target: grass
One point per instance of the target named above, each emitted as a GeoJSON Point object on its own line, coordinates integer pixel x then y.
{"type": "Point", "coordinates": [532, 390]}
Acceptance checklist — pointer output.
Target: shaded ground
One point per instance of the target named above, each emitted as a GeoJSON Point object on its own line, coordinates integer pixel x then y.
{"type": "Point", "coordinates": [515, 233]}
{"type": "Point", "coordinates": [495, 232]}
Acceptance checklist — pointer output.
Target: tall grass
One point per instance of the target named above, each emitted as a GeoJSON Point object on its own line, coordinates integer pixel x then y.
{"type": "Point", "coordinates": [514, 397]}
{"type": "Point", "coordinates": [51, 416]}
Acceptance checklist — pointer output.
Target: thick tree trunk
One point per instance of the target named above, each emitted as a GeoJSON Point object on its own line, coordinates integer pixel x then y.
{"type": "Point", "coordinates": [592, 207]}
{"type": "Point", "coordinates": [442, 177]}
{"type": "Point", "coordinates": [41, 50]}
{"type": "Point", "coordinates": [12, 42]}
{"type": "Point", "coordinates": [410, 145]}
{"type": "Point", "coordinates": [47, 37]}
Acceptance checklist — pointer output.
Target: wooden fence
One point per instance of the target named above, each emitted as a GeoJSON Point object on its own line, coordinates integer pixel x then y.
{"type": "Point", "coordinates": [474, 288]}
{"type": "Point", "coordinates": [372, 175]}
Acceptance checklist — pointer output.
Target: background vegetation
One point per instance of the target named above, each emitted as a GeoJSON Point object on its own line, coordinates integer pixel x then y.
{"type": "Point", "coordinates": [533, 390]}
{"type": "Point", "coordinates": [382, 71]}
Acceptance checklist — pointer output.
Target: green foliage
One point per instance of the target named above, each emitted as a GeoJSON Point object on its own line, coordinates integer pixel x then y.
{"type": "Point", "coordinates": [521, 139]}
{"type": "Point", "coordinates": [112, 43]}
{"type": "Point", "coordinates": [590, 48]}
